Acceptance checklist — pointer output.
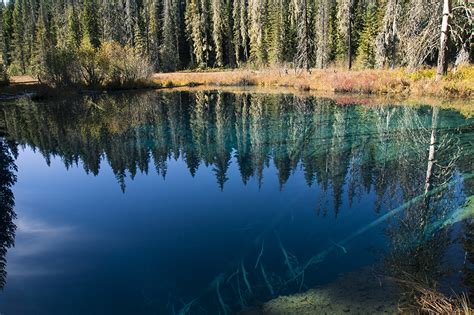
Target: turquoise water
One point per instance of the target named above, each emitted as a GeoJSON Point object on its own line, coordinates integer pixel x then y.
{"type": "Point", "coordinates": [210, 202]}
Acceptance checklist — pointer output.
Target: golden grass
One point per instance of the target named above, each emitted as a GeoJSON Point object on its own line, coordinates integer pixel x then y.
{"type": "Point", "coordinates": [380, 82]}
{"type": "Point", "coordinates": [420, 298]}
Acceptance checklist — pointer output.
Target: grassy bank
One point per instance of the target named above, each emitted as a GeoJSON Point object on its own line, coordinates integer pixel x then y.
{"type": "Point", "coordinates": [27, 86]}
{"type": "Point", "coordinates": [380, 82]}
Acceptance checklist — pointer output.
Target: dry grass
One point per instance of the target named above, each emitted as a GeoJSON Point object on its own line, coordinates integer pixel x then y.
{"type": "Point", "coordinates": [380, 82]}
{"type": "Point", "coordinates": [421, 299]}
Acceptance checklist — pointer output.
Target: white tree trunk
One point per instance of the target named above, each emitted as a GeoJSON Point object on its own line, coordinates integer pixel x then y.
{"type": "Point", "coordinates": [442, 64]}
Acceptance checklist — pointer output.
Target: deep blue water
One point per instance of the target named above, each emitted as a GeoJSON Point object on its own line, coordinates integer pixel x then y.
{"type": "Point", "coordinates": [142, 203]}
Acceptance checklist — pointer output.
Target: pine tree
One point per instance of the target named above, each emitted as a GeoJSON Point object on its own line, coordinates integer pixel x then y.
{"type": "Point", "coordinates": [366, 51]}
{"type": "Point", "coordinates": [155, 31]}
{"type": "Point", "coordinates": [113, 21]}
{"type": "Point", "coordinates": [276, 25]}
{"type": "Point", "coordinates": [218, 33]}
{"type": "Point", "coordinates": [7, 32]}
{"type": "Point", "coordinates": [256, 31]}
{"type": "Point", "coordinates": [3, 75]}
{"type": "Point", "coordinates": [336, 40]}
{"type": "Point", "coordinates": [73, 29]}
{"type": "Point", "coordinates": [197, 21]}
{"type": "Point", "coordinates": [244, 33]}
{"type": "Point", "coordinates": [130, 20]}
{"type": "Point", "coordinates": [169, 47]}
{"type": "Point", "coordinates": [42, 46]}
{"type": "Point", "coordinates": [302, 58]}
{"type": "Point", "coordinates": [90, 22]}
{"type": "Point", "coordinates": [2, 39]}
{"type": "Point", "coordinates": [236, 36]}
{"type": "Point", "coordinates": [321, 37]}
{"type": "Point", "coordinates": [19, 45]}
{"type": "Point", "coordinates": [219, 29]}
{"type": "Point", "coordinates": [140, 40]}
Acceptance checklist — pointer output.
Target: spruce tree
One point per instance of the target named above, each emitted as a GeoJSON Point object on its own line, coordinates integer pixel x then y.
{"type": "Point", "coordinates": [169, 47]}
{"type": "Point", "coordinates": [366, 51]}
{"type": "Point", "coordinates": [336, 40]}
{"type": "Point", "coordinates": [155, 31]}
{"type": "Point", "coordinates": [7, 32]}
{"type": "Point", "coordinates": [73, 29]}
{"type": "Point", "coordinates": [90, 22]}
{"type": "Point", "coordinates": [219, 29]}
{"type": "Point", "coordinates": [42, 47]}
{"type": "Point", "coordinates": [19, 53]}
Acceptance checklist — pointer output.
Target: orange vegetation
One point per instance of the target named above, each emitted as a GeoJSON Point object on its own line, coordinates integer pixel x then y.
{"type": "Point", "coordinates": [399, 82]}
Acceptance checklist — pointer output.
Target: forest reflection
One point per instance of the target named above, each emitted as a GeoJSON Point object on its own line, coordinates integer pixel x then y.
{"type": "Point", "coordinates": [398, 153]}
{"type": "Point", "coordinates": [362, 146]}
{"type": "Point", "coordinates": [7, 203]}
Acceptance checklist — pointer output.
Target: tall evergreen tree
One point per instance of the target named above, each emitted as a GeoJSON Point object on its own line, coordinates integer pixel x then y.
{"type": "Point", "coordinates": [90, 22]}
{"type": "Point", "coordinates": [19, 53]}
{"type": "Point", "coordinates": [175, 34]}
{"type": "Point", "coordinates": [169, 47]}
{"type": "Point", "coordinates": [366, 52]}
{"type": "Point", "coordinates": [219, 29]}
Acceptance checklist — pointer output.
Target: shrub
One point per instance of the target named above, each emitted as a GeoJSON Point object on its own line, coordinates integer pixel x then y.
{"type": "Point", "coordinates": [423, 74]}
{"type": "Point", "coordinates": [123, 66]}
{"type": "Point", "coordinates": [92, 64]}
{"type": "Point", "coordinates": [110, 66]}
{"type": "Point", "coordinates": [4, 80]}
{"type": "Point", "coordinates": [60, 68]}
{"type": "Point", "coordinates": [14, 69]}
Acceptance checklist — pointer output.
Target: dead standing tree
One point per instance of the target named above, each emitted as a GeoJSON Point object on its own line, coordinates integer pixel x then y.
{"type": "Point", "coordinates": [443, 45]}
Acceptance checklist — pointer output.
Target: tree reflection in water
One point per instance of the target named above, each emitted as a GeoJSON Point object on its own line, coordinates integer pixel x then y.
{"type": "Point", "coordinates": [396, 152]}
{"type": "Point", "coordinates": [7, 203]}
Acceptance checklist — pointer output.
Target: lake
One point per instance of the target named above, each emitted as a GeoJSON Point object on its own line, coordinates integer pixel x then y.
{"type": "Point", "coordinates": [211, 202]}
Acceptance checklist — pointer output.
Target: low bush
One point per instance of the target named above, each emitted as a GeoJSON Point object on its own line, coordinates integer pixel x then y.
{"type": "Point", "coordinates": [109, 66]}
{"type": "Point", "coordinates": [4, 80]}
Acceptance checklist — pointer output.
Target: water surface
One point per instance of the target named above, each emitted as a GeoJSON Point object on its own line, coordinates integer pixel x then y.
{"type": "Point", "coordinates": [211, 202]}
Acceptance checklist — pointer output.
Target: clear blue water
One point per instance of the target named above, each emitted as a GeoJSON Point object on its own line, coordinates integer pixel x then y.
{"type": "Point", "coordinates": [142, 203]}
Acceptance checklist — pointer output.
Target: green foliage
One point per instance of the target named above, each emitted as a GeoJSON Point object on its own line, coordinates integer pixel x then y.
{"type": "Point", "coordinates": [4, 80]}
{"type": "Point", "coordinates": [336, 41]}
{"type": "Point", "coordinates": [175, 34]}
{"type": "Point", "coordinates": [7, 32]}
{"type": "Point", "coordinates": [122, 66]}
{"type": "Point", "coordinates": [73, 30]}
{"type": "Point", "coordinates": [423, 74]}
{"type": "Point", "coordinates": [90, 22]}
{"type": "Point", "coordinates": [276, 22]}
{"type": "Point", "coordinates": [19, 53]}
{"type": "Point", "coordinates": [366, 50]}
{"type": "Point", "coordinates": [169, 48]}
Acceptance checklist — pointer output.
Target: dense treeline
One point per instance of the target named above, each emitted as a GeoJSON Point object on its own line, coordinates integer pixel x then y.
{"type": "Point", "coordinates": [44, 36]}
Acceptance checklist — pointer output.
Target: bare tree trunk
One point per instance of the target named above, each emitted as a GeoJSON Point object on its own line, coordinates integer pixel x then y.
{"type": "Point", "coordinates": [442, 62]}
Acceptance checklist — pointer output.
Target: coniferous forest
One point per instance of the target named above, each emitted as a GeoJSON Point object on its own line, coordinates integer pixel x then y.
{"type": "Point", "coordinates": [47, 38]}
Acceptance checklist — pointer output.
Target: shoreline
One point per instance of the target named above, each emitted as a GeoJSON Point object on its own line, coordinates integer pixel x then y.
{"type": "Point", "coordinates": [366, 82]}
{"type": "Point", "coordinates": [368, 87]}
